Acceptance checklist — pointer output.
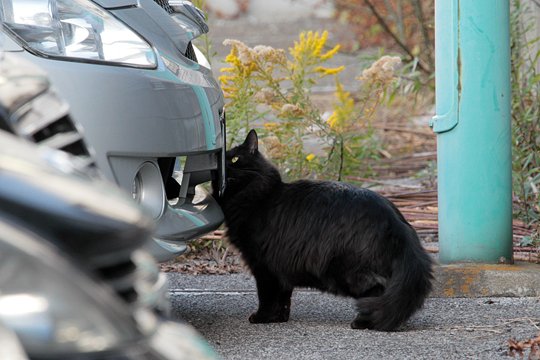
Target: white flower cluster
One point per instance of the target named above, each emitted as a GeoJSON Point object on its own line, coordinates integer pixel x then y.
{"type": "Point", "coordinates": [382, 70]}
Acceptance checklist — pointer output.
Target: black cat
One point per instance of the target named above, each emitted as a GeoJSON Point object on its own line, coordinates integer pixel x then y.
{"type": "Point", "coordinates": [326, 235]}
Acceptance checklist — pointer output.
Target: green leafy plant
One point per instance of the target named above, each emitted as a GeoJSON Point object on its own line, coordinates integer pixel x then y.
{"type": "Point", "coordinates": [525, 115]}
{"type": "Point", "coordinates": [270, 89]}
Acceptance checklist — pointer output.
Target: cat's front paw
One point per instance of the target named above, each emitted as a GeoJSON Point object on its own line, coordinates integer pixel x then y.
{"type": "Point", "coordinates": [260, 318]}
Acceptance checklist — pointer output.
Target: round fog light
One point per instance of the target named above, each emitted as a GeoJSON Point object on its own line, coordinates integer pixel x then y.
{"type": "Point", "coordinates": [147, 189]}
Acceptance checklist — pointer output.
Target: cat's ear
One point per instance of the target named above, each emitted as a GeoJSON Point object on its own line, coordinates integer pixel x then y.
{"type": "Point", "coordinates": [252, 142]}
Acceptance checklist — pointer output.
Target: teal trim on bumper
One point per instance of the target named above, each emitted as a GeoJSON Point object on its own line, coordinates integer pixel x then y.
{"type": "Point", "coordinates": [208, 117]}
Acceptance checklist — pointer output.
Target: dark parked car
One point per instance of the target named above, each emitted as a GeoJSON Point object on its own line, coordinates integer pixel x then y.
{"type": "Point", "coordinates": [75, 280]}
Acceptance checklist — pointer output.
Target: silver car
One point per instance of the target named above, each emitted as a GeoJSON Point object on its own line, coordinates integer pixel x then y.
{"type": "Point", "coordinates": [142, 95]}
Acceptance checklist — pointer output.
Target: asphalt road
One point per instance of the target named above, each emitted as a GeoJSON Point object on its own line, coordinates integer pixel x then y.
{"type": "Point", "coordinates": [218, 306]}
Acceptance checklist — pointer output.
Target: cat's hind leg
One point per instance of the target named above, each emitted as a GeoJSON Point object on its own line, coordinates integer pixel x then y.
{"type": "Point", "coordinates": [362, 283]}
{"type": "Point", "coordinates": [363, 319]}
{"type": "Point", "coordinates": [405, 291]}
{"type": "Point", "coordinates": [274, 299]}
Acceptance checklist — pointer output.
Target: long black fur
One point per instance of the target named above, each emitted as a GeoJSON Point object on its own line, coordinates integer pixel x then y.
{"type": "Point", "coordinates": [326, 235]}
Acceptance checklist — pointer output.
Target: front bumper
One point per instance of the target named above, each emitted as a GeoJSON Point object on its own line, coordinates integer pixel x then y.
{"type": "Point", "coordinates": [177, 341]}
{"type": "Point", "coordinates": [179, 223]}
{"type": "Point", "coordinates": [133, 116]}
{"type": "Point", "coordinates": [170, 341]}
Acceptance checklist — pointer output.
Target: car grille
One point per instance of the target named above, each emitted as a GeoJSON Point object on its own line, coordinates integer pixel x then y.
{"type": "Point", "coordinates": [63, 135]}
{"type": "Point", "coordinates": [167, 167]}
{"type": "Point", "coordinates": [165, 5]}
{"type": "Point", "coordinates": [45, 120]}
{"type": "Point", "coordinates": [136, 279]}
{"type": "Point", "coordinates": [121, 278]}
{"type": "Point", "coordinates": [190, 52]}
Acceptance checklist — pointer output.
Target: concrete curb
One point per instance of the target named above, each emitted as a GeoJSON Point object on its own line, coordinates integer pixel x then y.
{"type": "Point", "coordinates": [451, 281]}
{"type": "Point", "coordinates": [486, 280]}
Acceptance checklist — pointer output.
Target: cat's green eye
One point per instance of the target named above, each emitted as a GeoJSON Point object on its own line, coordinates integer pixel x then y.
{"type": "Point", "coordinates": [234, 159]}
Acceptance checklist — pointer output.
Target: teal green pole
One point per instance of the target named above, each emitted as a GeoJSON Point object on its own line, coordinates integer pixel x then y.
{"type": "Point", "coordinates": [472, 123]}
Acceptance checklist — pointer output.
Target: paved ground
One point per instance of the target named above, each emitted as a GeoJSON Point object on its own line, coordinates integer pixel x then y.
{"type": "Point", "coordinates": [218, 306]}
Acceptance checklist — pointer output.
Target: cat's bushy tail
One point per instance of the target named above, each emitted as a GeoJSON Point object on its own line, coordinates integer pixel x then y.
{"type": "Point", "coordinates": [405, 291]}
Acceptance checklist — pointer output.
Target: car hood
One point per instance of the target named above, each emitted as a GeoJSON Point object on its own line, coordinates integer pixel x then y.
{"type": "Point", "coordinates": [155, 24]}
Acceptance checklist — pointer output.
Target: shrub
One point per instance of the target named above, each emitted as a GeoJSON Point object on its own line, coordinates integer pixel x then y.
{"type": "Point", "coordinates": [525, 115]}
{"type": "Point", "coordinates": [269, 89]}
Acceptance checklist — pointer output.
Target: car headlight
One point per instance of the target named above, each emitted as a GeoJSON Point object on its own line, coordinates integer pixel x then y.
{"type": "Point", "coordinates": [75, 30]}
{"type": "Point", "coordinates": [54, 309]}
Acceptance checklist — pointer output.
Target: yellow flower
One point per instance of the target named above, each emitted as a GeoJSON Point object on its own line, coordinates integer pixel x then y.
{"type": "Point", "coordinates": [329, 71]}
{"type": "Point", "coordinates": [271, 125]}
{"type": "Point", "coordinates": [239, 51]}
{"type": "Point", "coordinates": [330, 53]}
{"type": "Point", "coordinates": [319, 43]}
{"type": "Point", "coordinates": [310, 157]}
{"type": "Point", "coordinates": [307, 50]}
{"type": "Point", "coordinates": [226, 78]}
{"type": "Point", "coordinates": [241, 58]}
{"type": "Point", "coordinates": [232, 58]}
{"type": "Point", "coordinates": [343, 109]}
{"type": "Point", "coordinates": [332, 120]}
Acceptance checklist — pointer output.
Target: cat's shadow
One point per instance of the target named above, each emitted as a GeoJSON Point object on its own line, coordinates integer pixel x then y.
{"type": "Point", "coordinates": [314, 308]}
